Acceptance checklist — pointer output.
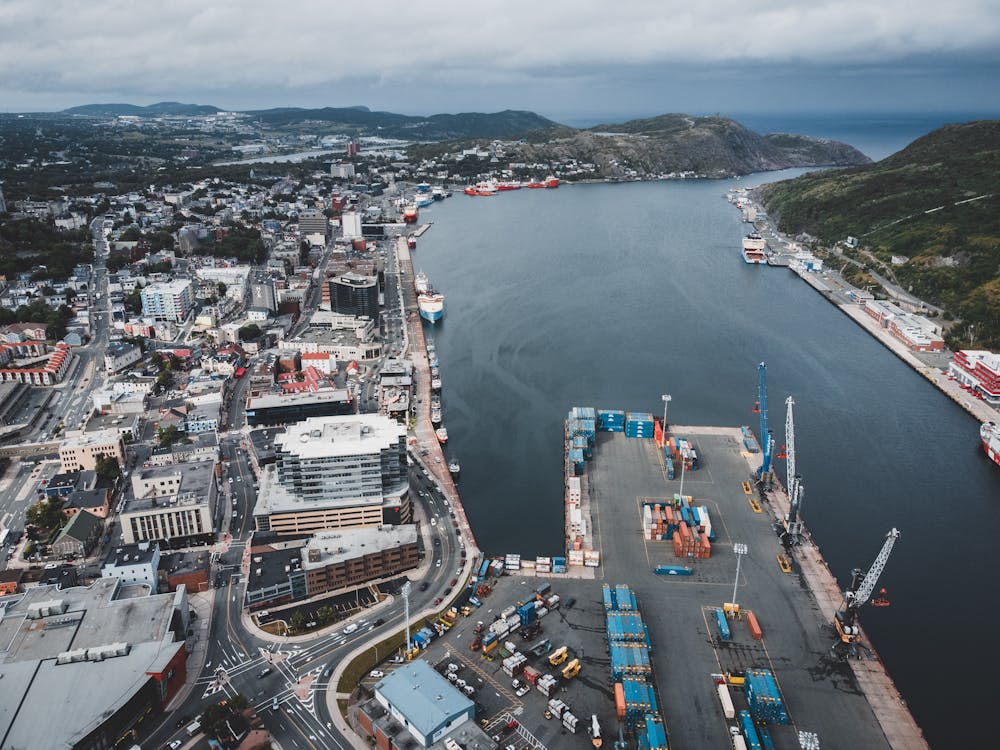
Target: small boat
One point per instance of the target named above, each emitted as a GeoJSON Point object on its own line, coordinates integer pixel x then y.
{"type": "Point", "coordinates": [482, 188]}
{"type": "Point", "coordinates": [435, 415]}
{"type": "Point", "coordinates": [410, 214]}
{"type": "Point", "coordinates": [442, 435]}
{"type": "Point", "coordinates": [423, 199]}
{"type": "Point", "coordinates": [508, 185]}
{"type": "Point", "coordinates": [421, 284]}
{"type": "Point", "coordinates": [454, 467]}
{"type": "Point", "coordinates": [411, 242]}
{"type": "Point", "coordinates": [436, 384]}
{"type": "Point", "coordinates": [551, 182]}
{"type": "Point", "coordinates": [435, 401]}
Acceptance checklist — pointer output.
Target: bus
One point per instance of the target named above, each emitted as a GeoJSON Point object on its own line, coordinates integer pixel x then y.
{"type": "Point", "coordinates": [240, 372]}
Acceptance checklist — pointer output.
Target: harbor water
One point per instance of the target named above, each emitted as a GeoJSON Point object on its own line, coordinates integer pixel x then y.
{"type": "Point", "coordinates": [611, 295]}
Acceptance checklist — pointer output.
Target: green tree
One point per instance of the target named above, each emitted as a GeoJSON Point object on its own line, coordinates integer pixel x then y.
{"type": "Point", "coordinates": [297, 620]}
{"type": "Point", "coordinates": [107, 468]}
{"type": "Point", "coordinates": [168, 435]}
{"type": "Point", "coordinates": [249, 332]}
{"type": "Point", "coordinates": [222, 289]}
{"type": "Point", "coordinates": [324, 615]}
{"type": "Point", "coordinates": [46, 514]}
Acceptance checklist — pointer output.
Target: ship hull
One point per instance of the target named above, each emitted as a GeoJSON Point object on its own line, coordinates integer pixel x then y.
{"type": "Point", "coordinates": [990, 435]}
{"type": "Point", "coordinates": [431, 316]}
{"type": "Point", "coordinates": [753, 259]}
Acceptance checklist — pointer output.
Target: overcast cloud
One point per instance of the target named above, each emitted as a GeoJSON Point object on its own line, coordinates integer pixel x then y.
{"type": "Point", "coordinates": [556, 56]}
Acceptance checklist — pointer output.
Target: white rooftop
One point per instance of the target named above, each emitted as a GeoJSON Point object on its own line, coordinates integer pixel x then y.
{"type": "Point", "coordinates": [350, 435]}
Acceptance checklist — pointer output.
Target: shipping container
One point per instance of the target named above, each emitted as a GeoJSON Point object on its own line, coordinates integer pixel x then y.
{"type": "Point", "coordinates": [749, 731]}
{"type": "Point", "coordinates": [738, 742]}
{"type": "Point", "coordinates": [673, 570]}
{"type": "Point", "coordinates": [755, 631]}
{"type": "Point", "coordinates": [619, 701]}
{"type": "Point", "coordinates": [727, 701]}
{"type": "Point", "coordinates": [720, 618]}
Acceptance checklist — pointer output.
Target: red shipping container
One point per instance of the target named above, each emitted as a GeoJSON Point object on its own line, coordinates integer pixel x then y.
{"type": "Point", "coordinates": [755, 631]}
{"type": "Point", "coordinates": [620, 700]}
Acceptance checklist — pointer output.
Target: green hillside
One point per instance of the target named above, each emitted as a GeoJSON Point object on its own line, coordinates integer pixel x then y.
{"type": "Point", "coordinates": [935, 203]}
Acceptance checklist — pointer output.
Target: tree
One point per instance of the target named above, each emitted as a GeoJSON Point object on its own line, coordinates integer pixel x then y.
{"type": "Point", "coordinates": [324, 615]}
{"type": "Point", "coordinates": [222, 289]}
{"type": "Point", "coordinates": [249, 332]}
{"type": "Point", "coordinates": [107, 468]}
{"type": "Point", "coordinates": [46, 514]}
{"type": "Point", "coordinates": [297, 620]}
{"type": "Point", "coordinates": [168, 435]}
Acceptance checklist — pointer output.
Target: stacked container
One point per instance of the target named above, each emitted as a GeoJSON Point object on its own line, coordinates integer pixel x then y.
{"type": "Point", "coordinates": [527, 613]}
{"type": "Point", "coordinates": [720, 618]}
{"type": "Point", "coordinates": [610, 421]}
{"type": "Point", "coordinates": [513, 665]}
{"type": "Point", "coordinates": [655, 734]}
{"type": "Point", "coordinates": [658, 522]}
{"type": "Point", "coordinates": [631, 668]}
{"type": "Point", "coordinates": [547, 684]}
{"type": "Point", "coordinates": [639, 425]}
{"type": "Point", "coordinates": [688, 543]}
{"type": "Point", "coordinates": [531, 675]}
{"type": "Point", "coordinates": [762, 692]}
{"type": "Point", "coordinates": [749, 731]}
{"type": "Point", "coordinates": [558, 564]}
{"type": "Point", "coordinates": [629, 660]}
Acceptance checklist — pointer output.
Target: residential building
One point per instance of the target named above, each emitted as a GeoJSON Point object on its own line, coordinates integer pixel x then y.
{"type": "Point", "coordinates": [979, 372]}
{"type": "Point", "coordinates": [423, 701]}
{"type": "Point", "coordinates": [78, 670]}
{"type": "Point", "coordinates": [169, 300]}
{"type": "Point", "coordinates": [82, 451]}
{"type": "Point", "coordinates": [203, 446]}
{"type": "Point", "coordinates": [173, 504]}
{"type": "Point", "coordinates": [135, 563]}
{"type": "Point", "coordinates": [33, 363]}
{"type": "Point", "coordinates": [120, 356]}
{"type": "Point", "coordinates": [96, 501]}
{"type": "Point", "coordinates": [333, 473]}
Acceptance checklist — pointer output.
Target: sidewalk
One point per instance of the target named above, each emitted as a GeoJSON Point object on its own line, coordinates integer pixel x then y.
{"type": "Point", "coordinates": [202, 603]}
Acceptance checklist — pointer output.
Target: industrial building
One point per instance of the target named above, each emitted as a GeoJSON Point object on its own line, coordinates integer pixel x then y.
{"type": "Point", "coordinates": [82, 666]}
{"type": "Point", "coordinates": [979, 371]}
{"type": "Point", "coordinates": [424, 702]}
{"type": "Point", "coordinates": [333, 473]}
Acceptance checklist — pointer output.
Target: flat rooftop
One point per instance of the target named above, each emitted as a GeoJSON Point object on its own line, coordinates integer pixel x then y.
{"type": "Point", "coordinates": [196, 480]}
{"type": "Point", "coordinates": [272, 400]}
{"type": "Point", "coordinates": [336, 546]}
{"type": "Point", "coordinates": [351, 435]}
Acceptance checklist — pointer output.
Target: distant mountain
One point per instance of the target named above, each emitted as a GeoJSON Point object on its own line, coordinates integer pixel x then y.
{"type": "Point", "coordinates": [153, 110]}
{"type": "Point", "coordinates": [933, 208]}
{"type": "Point", "coordinates": [506, 124]}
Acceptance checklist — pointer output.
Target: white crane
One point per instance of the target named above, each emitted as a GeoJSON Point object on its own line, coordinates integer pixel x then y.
{"type": "Point", "coordinates": [861, 589]}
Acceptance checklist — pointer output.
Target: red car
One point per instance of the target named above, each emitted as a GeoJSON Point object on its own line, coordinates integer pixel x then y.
{"type": "Point", "coordinates": [453, 581]}
{"type": "Point", "coordinates": [438, 601]}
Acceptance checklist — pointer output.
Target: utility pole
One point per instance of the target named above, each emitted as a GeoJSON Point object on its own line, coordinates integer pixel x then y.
{"type": "Point", "coordinates": [740, 549]}
{"type": "Point", "coordinates": [666, 402]}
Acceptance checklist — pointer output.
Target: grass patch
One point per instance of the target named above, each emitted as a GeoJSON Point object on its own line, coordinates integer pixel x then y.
{"type": "Point", "coordinates": [277, 627]}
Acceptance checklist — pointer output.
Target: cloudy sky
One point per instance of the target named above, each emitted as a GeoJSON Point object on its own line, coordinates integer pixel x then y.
{"type": "Point", "coordinates": [567, 59]}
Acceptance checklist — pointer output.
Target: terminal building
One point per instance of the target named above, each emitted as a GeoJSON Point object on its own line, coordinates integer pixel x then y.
{"type": "Point", "coordinates": [83, 667]}
{"type": "Point", "coordinates": [979, 372]}
{"type": "Point", "coordinates": [425, 703]}
{"type": "Point", "coordinates": [335, 473]}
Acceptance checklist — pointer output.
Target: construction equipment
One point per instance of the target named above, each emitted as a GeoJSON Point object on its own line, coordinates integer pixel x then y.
{"type": "Point", "coordinates": [571, 670]}
{"type": "Point", "coordinates": [595, 732]}
{"type": "Point", "coordinates": [862, 585]}
{"type": "Point", "coordinates": [766, 439]}
{"type": "Point", "coordinates": [790, 527]}
{"type": "Point", "coordinates": [558, 656]}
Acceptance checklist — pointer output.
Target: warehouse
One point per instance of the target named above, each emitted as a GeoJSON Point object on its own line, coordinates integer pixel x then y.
{"type": "Point", "coordinates": [423, 701]}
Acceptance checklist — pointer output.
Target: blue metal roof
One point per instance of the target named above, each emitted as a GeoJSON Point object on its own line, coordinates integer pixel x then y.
{"type": "Point", "coordinates": [424, 697]}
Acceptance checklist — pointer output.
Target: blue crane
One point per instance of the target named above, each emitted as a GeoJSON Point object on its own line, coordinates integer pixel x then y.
{"type": "Point", "coordinates": [766, 439]}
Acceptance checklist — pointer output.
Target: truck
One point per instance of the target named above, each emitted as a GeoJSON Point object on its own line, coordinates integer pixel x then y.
{"type": "Point", "coordinates": [727, 701]}
{"type": "Point", "coordinates": [193, 728]}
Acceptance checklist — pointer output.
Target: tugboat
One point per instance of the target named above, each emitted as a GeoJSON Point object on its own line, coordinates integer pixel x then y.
{"type": "Point", "coordinates": [454, 468]}
{"type": "Point", "coordinates": [442, 435]}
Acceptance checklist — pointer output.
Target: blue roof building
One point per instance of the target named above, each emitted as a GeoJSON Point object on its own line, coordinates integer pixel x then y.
{"type": "Point", "coordinates": [423, 701]}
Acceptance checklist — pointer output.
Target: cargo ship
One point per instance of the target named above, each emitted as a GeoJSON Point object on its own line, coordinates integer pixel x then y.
{"type": "Point", "coordinates": [753, 248]}
{"type": "Point", "coordinates": [431, 305]}
{"type": "Point", "coordinates": [442, 435]}
{"type": "Point", "coordinates": [990, 434]}
{"type": "Point", "coordinates": [410, 214]}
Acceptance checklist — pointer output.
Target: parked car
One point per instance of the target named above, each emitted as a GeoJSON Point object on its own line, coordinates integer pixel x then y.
{"type": "Point", "coordinates": [376, 673]}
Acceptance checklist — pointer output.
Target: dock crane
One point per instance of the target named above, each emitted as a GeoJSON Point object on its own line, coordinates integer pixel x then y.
{"type": "Point", "coordinates": [766, 439]}
{"type": "Point", "coordinates": [862, 585]}
{"type": "Point", "coordinates": [790, 528]}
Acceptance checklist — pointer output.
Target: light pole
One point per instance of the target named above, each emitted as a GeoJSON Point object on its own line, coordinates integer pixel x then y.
{"type": "Point", "coordinates": [666, 401]}
{"type": "Point", "coordinates": [740, 549]}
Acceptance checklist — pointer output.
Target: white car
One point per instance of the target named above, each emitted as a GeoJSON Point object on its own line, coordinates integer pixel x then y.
{"type": "Point", "coordinates": [350, 628]}
{"type": "Point", "coordinates": [376, 673]}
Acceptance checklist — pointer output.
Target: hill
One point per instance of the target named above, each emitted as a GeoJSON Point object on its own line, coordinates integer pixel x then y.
{"type": "Point", "coordinates": [153, 110]}
{"type": "Point", "coordinates": [934, 204]}
{"type": "Point", "coordinates": [506, 124]}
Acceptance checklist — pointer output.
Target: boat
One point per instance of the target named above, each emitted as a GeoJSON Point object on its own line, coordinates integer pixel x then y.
{"type": "Point", "coordinates": [410, 214]}
{"type": "Point", "coordinates": [990, 434]}
{"type": "Point", "coordinates": [411, 242]}
{"type": "Point", "coordinates": [421, 284]}
{"type": "Point", "coordinates": [435, 372]}
{"type": "Point", "coordinates": [435, 415]}
{"type": "Point", "coordinates": [508, 185]}
{"type": "Point", "coordinates": [551, 182]}
{"type": "Point", "coordinates": [423, 199]}
{"type": "Point", "coordinates": [435, 384]}
{"type": "Point", "coordinates": [423, 187]}
{"type": "Point", "coordinates": [454, 467]}
{"type": "Point", "coordinates": [439, 193]}
{"type": "Point", "coordinates": [753, 248]}
{"type": "Point", "coordinates": [431, 305]}
{"type": "Point", "coordinates": [435, 401]}
{"type": "Point", "coordinates": [442, 435]}
{"type": "Point", "coordinates": [534, 184]}
{"type": "Point", "coordinates": [482, 188]}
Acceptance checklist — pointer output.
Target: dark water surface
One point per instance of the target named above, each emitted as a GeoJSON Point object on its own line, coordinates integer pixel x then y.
{"type": "Point", "coordinates": [611, 295]}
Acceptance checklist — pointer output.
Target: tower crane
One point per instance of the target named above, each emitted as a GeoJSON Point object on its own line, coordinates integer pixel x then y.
{"type": "Point", "coordinates": [862, 585]}
{"type": "Point", "coordinates": [790, 528]}
{"type": "Point", "coordinates": [766, 439]}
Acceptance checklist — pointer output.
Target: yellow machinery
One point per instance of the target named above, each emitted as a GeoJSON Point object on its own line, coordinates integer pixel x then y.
{"type": "Point", "coordinates": [571, 670]}
{"type": "Point", "coordinates": [558, 656]}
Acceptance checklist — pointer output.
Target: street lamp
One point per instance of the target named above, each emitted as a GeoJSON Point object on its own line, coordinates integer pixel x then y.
{"type": "Point", "coordinates": [666, 401]}
{"type": "Point", "coordinates": [740, 549]}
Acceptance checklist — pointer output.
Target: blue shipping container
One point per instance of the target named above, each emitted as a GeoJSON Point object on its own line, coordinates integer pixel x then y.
{"type": "Point", "coordinates": [749, 731]}
{"type": "Point", "coordinates": [720, 618]}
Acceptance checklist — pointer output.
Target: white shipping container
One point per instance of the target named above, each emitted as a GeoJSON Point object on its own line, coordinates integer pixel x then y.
{"type": "Point", "coordinates": [738, 742]}
{"type": "Point", "coordinates": [575, 557]}
{"type": "Point", "coordinates": [727, 701]}
{"type": "Point", "coordinates": [569, 721]}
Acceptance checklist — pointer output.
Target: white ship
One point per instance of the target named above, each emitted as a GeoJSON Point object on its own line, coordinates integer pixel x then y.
{"type": "Point", "coordinates": [753, 248]}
